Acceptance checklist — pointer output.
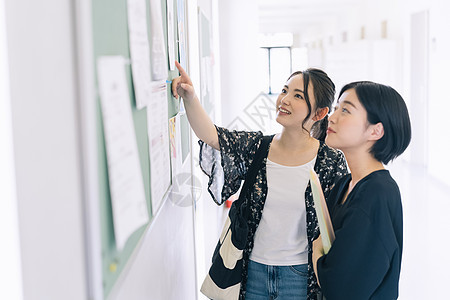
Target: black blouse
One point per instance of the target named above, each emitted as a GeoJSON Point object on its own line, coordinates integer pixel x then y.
{"type": "Point", "coordinates": [364, 260]}
{"type": "Point", "coordinates": [227, 168]}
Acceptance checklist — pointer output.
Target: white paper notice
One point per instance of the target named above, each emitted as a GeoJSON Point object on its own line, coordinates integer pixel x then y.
{"type": "Point", "coordinates": [171, 34]}
{"type": "Point", "coordinates": [159, 63]}
{"type": "Point", "coordinates": [139, 51]}
{"type": "Point", "coordinates": [158, 137]}
{"type": "Point", "coordinates": [124, 171]}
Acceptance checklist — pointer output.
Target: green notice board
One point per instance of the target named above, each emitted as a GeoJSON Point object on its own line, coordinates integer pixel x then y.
{"type": "Point", "coordinates": [110, 34]}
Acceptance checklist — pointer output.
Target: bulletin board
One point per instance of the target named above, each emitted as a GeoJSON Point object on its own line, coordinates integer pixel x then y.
{"type": "Point", "coordinates": [111, 38]}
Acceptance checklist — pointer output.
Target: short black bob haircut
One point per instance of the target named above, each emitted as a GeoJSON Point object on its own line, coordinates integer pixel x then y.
{"type": "Point", "coordinates": [384, 104]}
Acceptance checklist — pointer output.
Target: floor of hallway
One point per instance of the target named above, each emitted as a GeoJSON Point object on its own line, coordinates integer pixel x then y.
{"type": "Point", "coordinates": [426, 228]}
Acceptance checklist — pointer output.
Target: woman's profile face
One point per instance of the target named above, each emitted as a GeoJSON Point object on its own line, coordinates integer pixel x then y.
{"type": "Point", "coordinates": [348, 128]}
{"type": "Point", "coordinates": [291, 105]}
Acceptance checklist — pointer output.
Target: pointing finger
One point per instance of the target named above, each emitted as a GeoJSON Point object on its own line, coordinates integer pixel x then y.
{"type": "Point", "coordinates": [180, 69]}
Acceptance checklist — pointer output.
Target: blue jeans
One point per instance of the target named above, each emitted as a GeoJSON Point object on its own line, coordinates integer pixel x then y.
{"type": "Point", "coordinates": [276, 282]}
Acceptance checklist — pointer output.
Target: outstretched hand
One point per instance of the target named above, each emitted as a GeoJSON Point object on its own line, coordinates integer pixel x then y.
{"type": "Point", "coordinates": [182, 85]}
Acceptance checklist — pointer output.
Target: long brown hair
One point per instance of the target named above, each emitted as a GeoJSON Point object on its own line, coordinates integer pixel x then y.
{"type": "Point", "coordinates": [324, 91]}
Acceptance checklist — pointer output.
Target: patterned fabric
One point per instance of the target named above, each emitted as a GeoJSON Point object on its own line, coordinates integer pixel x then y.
{"type": "Point", "coordinates": [227, 168]}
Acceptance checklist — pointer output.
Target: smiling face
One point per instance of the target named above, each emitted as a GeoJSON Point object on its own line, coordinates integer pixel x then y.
{"type": "Point", "coordinates": [348, 128]}
{"type": "Point", "coordinates": [292, 108]}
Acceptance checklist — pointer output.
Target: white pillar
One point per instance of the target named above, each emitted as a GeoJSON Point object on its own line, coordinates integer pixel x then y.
{"type": "Point", "coordinates": [47, 148]}
{"type": "Point", "coordinates": [238, 28]}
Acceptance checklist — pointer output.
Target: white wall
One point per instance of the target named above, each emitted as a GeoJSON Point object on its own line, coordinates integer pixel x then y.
{"type": "Point", "coordinates": [46, 146]}
{"type": "Point", "coordinates": [9, 230]}
{"type": "Point", "coordinates": [439, 139]}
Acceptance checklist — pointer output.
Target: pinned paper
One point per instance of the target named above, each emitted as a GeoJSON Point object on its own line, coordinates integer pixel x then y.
{"type": "Point", "coordinates": [158, 48]}
{"type": "Point", "coordinates": [139, 51]}
{"type": "Point", "coordinates": [159, 145]}
{"type": "Point", "coordinates": [129, 205]}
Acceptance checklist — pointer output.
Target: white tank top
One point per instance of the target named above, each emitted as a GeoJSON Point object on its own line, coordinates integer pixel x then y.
{"type": "Point", "coordinates": [281, 238]}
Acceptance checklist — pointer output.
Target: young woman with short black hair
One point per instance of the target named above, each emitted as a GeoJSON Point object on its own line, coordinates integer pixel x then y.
{"type": "Point", "coordinates": [371, 126]}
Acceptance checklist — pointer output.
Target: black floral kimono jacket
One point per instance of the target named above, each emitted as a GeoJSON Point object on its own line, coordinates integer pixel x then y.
{"type": "Point", "coordinates": [227, 168]}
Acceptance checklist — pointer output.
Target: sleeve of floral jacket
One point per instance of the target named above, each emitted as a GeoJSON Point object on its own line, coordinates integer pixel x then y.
{"type": "Point", "coordinates": [227, 167]}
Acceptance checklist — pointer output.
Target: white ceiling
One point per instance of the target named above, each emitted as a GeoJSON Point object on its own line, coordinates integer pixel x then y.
{"type": "Point", "coordinates": [297, 16]}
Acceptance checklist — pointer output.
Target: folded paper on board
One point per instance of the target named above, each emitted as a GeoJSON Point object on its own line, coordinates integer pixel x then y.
{"type": "Point", "coordinates": [323, 217]}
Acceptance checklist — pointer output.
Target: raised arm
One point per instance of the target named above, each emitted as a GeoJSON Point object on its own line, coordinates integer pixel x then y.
{"type": "Point", "coordinates": [198, 118]}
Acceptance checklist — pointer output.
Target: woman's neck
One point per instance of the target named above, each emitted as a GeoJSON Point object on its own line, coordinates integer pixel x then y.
{"type": "Point", "coordinates": [361, 164]}
{"type": "Point", "coordinates": [295, 140]}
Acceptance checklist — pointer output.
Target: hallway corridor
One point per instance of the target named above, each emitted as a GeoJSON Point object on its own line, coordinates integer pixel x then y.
{"type": "Point", "coordinates": [426, 227]}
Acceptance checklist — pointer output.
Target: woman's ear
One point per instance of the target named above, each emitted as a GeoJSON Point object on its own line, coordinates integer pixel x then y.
{"type": "Point", "coordinates": [377, 131]}
{"type": "Point", "coordinates": [321, 113]}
